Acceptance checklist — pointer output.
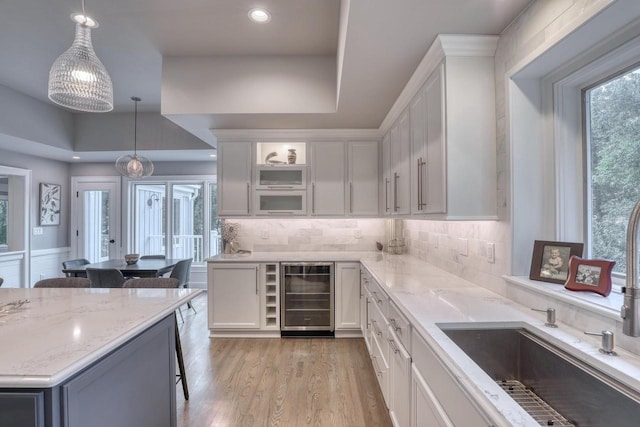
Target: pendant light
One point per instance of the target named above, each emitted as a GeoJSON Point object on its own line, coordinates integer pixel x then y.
{"type": "Point", "coordinates": [134, 166]}
{"type": "Point", "coordinates": [77, 79]}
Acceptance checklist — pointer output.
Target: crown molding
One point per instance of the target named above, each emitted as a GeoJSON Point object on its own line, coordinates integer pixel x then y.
{"type": "Point", "coordinates": [444, 45]}
{"type": "Point", "coordinates": [266, 135]}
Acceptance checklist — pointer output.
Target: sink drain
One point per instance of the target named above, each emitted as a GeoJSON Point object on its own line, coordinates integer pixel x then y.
{"type": "Point", "coordinates": [540, 410]}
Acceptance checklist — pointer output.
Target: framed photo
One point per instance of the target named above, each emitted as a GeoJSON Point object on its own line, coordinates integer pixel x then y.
{"type": "Point", "coordinates": [590, 275]}
{"type": "Point", "coordinates": [50, 204]}
{"type": "Point", "coordinates": [550, 261]}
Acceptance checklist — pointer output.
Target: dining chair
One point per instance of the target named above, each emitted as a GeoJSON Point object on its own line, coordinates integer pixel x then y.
{"type": "Point", "coordinates": [1, 281]}
{"type": "Point", "coordinates": [182, 272]}
{"type": "Point", "coordinates": [63, 282]}
{"type": "Point", "coordinates": [105, 277]}
{"type": "Point", "coordinates": [152, 282]}
{"type": "Point", "coordinates": [75, 263]}
{"type": "Point", "coordinates": [165, 282]}
{"type": "Point", "coordinates": [153, 257]}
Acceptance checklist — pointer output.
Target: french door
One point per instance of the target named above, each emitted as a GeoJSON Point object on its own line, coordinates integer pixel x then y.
{"type": "Point", "coordinates": [95, 226]}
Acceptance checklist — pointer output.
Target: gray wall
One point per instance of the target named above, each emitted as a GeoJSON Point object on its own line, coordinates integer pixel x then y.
{"type": "Point", "coordinates": [160, 168]}
{"type": "Point", "coordinates": [51, 172]}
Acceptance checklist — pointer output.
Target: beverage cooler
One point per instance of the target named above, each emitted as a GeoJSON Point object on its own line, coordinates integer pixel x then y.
{"type": "Point", "coordinates": [306, 298]}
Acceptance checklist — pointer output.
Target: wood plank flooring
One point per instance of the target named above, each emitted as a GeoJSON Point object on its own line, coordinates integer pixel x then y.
{"type": "Point", "coordinates": [275, 382]}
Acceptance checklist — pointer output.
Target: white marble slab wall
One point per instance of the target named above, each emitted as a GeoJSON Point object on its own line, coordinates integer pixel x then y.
{"type": "Point", "coordinates": [272, 235]}
{"type": "Point", "coordinates": [442, 244]}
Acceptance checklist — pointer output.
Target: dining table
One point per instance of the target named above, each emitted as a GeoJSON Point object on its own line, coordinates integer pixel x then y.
{"type": "Point", "coordinates": [142, 268]}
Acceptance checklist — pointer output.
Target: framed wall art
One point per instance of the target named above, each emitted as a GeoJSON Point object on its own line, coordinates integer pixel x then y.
{"type": "Point", "coordinates": [550, 261]}
{"type": "Point", "coordinates": [590, 275]}
{"type": "Point", "coordinates": [50, 204]}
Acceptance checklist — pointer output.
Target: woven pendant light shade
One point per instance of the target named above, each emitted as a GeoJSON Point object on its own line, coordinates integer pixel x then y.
{"type": "Point", "coordinates": [78, 80]}
{"type": "Point", "coordinates": [134, 166]}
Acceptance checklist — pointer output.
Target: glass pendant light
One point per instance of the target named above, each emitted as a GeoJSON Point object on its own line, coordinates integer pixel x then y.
{"type": "Point", "coordinates": [134, 166]}
{"type": "Point", "coordinates": [77, 79]}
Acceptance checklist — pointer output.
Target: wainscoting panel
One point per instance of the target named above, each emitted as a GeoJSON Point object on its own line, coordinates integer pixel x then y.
{"type": "Point", "coordinates": [47, 263]}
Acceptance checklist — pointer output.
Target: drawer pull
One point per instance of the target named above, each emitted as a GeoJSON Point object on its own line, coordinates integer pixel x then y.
{"type": "Point", "coordinates": [393, 345]}
{"type": "Point", "coordinates": [395, 325]}
{"type": "Point", "coordinates": [375, 328]}
{"type": "Point", "coordinates": [378, 300]}
{"type": "Point", "coordinates": [375, 365]}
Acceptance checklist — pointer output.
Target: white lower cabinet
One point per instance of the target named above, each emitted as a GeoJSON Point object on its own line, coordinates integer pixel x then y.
{"type": "Point", "coordinates": [347, 296]}
{"type": "Point", "coordinates": [234, 296]}
{"type": "Point", "coordinates": [436, 393]}
{"type": "Point", "coordinates": [425, 408]}
{"type": "Point", "coordinates": [399, 402]}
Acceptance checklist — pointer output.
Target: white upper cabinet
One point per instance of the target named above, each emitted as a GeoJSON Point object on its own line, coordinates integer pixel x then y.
{"type": "Point", "coordinates": [400, 168]}
{"type": "Point", "coordinates": [363, 177]}
{"type": "Point", "coordinates": [234, 178]}
{"type": "Point", "coordinates": [328, 173]}
{"type": "Point", "coordinates": [387, 175]}
{"type": "Point", "coordinates": [452, 133]}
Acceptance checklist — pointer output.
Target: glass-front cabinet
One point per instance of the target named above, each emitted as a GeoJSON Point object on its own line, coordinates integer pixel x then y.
{"type": "Point", "coordinates": [285, 202]}
{"type": "Point", "coordinates": [285, 177]}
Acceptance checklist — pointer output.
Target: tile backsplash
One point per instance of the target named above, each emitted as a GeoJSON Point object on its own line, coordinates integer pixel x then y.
{"type": "Point", "coordinates": [290, 235]}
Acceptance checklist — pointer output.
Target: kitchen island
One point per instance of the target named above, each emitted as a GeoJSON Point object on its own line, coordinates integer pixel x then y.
{"type": "Point", "coordinates": [99, 357]}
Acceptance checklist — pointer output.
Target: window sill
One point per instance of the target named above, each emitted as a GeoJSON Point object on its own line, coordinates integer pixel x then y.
{"type": "Point", "coordinates": [604, 306]}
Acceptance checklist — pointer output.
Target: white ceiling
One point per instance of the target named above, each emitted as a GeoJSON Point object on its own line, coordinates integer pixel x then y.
{"type": "Point", "coordinates": [385, 41]}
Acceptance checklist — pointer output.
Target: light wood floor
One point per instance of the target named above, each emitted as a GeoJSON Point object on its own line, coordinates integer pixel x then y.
{"type": "Point", "coordinates": [275, 382]}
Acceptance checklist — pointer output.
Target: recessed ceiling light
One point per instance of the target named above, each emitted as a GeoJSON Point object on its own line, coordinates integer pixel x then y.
{"type": "Point", "coordinates": [76, 157]}
{"type": "Point", "coordinates": [212, 155]}
{"type": "Point", "coordinates": [261, 16]}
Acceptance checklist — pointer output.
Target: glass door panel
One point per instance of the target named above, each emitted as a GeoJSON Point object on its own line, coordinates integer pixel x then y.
{"type": "Point", "coordinates": [149, 219]}
{"type": "Point", "coordinates": [188, 221]}
{"type": "Point", "coordinates": [98, 227]}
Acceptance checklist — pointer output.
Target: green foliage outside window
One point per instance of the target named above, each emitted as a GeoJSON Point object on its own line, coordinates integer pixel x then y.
{"type": "Point", "coordinates": [3, 221]}
{"type": "Point", "coordinates": [615, 164]}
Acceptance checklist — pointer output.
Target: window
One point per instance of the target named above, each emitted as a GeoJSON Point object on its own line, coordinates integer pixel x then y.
{"type": "Point", "coordinates": [183, 217]}
{"type": "Point", "coordinates": [4, 214]}
{"type": "Point", "coordinates": [612, 139]}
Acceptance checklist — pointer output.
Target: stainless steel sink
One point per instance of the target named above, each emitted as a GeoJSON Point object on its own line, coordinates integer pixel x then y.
{"type": "Point", "coordinates": [581, 395]}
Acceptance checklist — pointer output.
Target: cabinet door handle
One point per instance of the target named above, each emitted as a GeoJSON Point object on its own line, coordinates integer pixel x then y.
{"type": "Point", "coordinates": [281, 212]}
{"type": "Point", "coordinates": [257, 280]}
{"type": "Point", "coordinates": [395, 192]}
{"type": "Point", "coordinates": [423, 180]}
{"type": "Point", "coordinates": [386, 194]}
{"type": "Point", "coordinates": [248, 196]}
{"type": "Point", "coordinates": [313, 197]}
{"type": "Point", "coordinates": [375, 365]}
{"type": "Point", "coordinates": [280, 186]}
{"type": "Point", "coordinates": [351, 197]}
{"type": "Point", "coordinates": [419, 184]}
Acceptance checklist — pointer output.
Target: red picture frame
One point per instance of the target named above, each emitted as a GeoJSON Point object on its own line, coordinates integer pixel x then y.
{"type": "Point", "coordinates": [590, 275]}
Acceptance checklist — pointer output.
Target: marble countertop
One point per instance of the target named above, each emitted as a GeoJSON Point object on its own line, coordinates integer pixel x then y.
{"type": "Point", "coordinates": [293, 257]}
{"type": "Point", "coordinates": [62, 331]}
{"type": "Point", "coordinates": [431, 297]}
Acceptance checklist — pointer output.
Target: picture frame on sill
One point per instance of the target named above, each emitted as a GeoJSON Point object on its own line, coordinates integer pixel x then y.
{"type": "Point", "coordinates": [550, 260]}
{"type": "Point", "coordinates": [590, 275]}
{"type": "Point", "coordinates": [50, 204]}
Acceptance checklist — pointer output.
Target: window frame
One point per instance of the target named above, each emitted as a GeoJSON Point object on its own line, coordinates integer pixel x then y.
{"type": "Point", "coordinates": [568, 110]}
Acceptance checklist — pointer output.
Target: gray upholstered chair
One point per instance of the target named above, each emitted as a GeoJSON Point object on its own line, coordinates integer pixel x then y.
{"type": "Point", "coordinates": [63, 282]}
{"type": "Point", "coordinates": [75, 263]}
{"type": "Point", "coordinates": [153, 257]}
{"type": "Point", "coordinates": [1, 281]}
{"type": "Point", "coordinates": [105, 277]}
{"type": "Point", "coordinates": [182, 272]}
{"type": "Point", "coordinates": [157, 283]}
{"type": "Point", "coordinates": [152, 282]}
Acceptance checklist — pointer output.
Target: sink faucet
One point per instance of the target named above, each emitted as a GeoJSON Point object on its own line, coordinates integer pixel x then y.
{"type": "Point", "coordinates": [630, 312]}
